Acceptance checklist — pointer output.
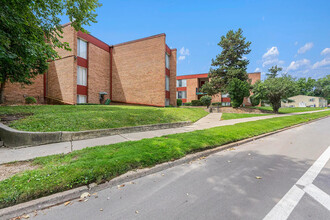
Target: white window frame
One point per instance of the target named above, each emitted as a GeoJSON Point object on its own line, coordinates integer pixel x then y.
{"type": "Point", "coordinates": [181, 83]}
{"type": "Point", "coordinates": [167, 61]}
{"type": "Point", "coordinates": [167, 102]}
{"type": "Point", "coordinates": [81, 99]}
{"type": "Point", "coordinates": [81, 76]}
{"type": "Point", "coordinates": [80, 52]}
{"type": "Point", "coordinates": [182, 96]}
{"type": "Point", "coordinates": [167, 83]}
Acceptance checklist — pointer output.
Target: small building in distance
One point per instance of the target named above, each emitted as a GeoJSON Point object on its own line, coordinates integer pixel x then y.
{"type": "Point", "coordinates": [305, 101]}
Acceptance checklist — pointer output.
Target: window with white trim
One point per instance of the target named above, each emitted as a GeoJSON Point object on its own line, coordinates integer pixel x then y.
{"type": "Point", "coordinates": [81, 76]}
{"type": "Point", "coordinates": [181, 94]}
{"type": "Point", "coordinates": [167, 83]}
{"type": "Point", "coordinates": [181, 83]}
{"type": "Point", "coordinates": [167, 61]}
{"type": "Point", "coordinates": [81, 99]}
{"type": "Point", "coordinates": [82, 49]}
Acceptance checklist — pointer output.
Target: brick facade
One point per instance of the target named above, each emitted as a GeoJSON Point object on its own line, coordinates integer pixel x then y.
{"type": "Point", "coordinates": [132, 72]}
{"type": "Point", "coordinates": [194, 83]}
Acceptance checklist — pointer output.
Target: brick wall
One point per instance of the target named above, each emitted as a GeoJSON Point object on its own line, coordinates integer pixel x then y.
{"type": "Point", "coordinates": [138, 71]}
{"type": "Point", "coordinates": [15, 93]}
{"type": "Point", "coordinates": [62, 73]}
{"type": "Point", "coordinates": [192, 84]}
{"type": "Point", "coordinates": [173, 77]}
{"type": "Point", "coordinates": [98, 73]}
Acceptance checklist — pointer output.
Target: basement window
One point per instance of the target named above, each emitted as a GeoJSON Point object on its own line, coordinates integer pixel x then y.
{"type": "Point", "coordinates": [81, 99]}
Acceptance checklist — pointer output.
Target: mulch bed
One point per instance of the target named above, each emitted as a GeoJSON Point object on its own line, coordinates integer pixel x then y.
{"type": "Point", "coordinates": [8, 118]}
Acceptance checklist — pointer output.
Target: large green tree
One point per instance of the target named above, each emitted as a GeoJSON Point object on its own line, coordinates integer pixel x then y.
{"type": "Point", "coordinates": [274, 90]}
{"type": "Point", "coordinates": [273, 71]}
{"type": "Point", "coordinates": [229, 64]}
{"type": "Point", "coordinates": [322, 87]}
{"type": "Point", "coordinates": [31, 30]}
{"type": "Point", "coordinates": [305, 86]}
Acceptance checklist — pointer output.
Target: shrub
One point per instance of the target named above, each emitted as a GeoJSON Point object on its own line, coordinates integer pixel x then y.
{"type": "Point", "coordinates": [216, 103]}
{"type": "Point", "coordinates": [179, 102]}
{"type": "Point", "coordinates": [196, 103]}
{"type": "Point", "coordinates": [237, 90]}
{"type": "Point", "coordinates": [206, 100]}
{"type": "Point", "coordinates": [188, 104]}
{"type": "Point", "coordinates": [254, 101]}
{"type": "Point", "coordinates": [30, 100]}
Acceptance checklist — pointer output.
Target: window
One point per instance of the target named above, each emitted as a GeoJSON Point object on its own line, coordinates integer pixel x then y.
{"type": "Point", "coordinates": [167, 83]}
{"type": "Point", "coordinates": [225, 95]}
{"type": "Point", "coordinates": [312, 100]}
{"type": "Point", "coordinates": [82, 49]}
{"type": "Point", "coordinates": [167, 61]}
{"type": "Point", "coordinates": [181, 83]}
{"type": "Point", "coordinates": [225, 103]}
{"type": "Point", "coordinates": [167, 102]}
{"type": "Point", "coordinates": [81, 99]}
{"type": "Point", "coordinates": [181, 94]}
{"type": "Point", "coordinates": [81, 76]}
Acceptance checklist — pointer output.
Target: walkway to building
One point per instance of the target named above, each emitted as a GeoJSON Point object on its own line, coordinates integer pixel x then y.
{"type": "Point", "coordinates": [209, 121]}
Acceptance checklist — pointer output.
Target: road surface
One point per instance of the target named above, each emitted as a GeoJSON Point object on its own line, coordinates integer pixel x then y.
{"type": "Point", "coordinates": [283, 176]}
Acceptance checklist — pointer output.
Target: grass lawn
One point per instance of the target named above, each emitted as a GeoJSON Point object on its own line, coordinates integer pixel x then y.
{"type": "Point", "coordinates": [98, 164]}
{"type": "Point", "coordinates": [290, 110]}
{"type": "Point", "coordinates": [228, 116]}
{"type": "Point", "coordinates": [90, 117]}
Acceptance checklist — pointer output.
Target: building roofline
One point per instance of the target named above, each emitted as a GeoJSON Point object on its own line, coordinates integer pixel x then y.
{"type": "Point", "coordinates": [201, 75]}
{"type": "Point", "coordinates": [141, 39]}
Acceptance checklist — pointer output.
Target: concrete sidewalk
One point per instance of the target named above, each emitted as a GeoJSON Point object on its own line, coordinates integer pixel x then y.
{"type": "Point", "coordinates": [209, 121]}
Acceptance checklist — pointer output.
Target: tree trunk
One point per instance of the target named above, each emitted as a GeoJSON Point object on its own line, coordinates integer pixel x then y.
{"type": "Point", "coordinates": [276, 107]}
{"type": "Point", "coordinates": [2, 89]}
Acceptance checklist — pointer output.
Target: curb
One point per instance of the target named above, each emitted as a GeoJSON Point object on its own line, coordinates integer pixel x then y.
{"type": "Point", "coordinates": [59, 198]}
{"type": "Point", "coordinates": [15, 138]}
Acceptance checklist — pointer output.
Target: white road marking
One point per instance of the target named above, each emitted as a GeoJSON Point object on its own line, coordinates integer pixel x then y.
{"type": "Point", "coordinates": [315, 169]}
{"type": "Point", "coordinates": [318, 195]}
{"type": "Point", "coordinates": [285, 206]}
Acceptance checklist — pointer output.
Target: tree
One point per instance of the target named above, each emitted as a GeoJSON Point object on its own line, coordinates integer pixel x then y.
{"type": "Point", "coordinates": [30, 31]}
{"type": "Point", "coordinates": [273, 71]}
{"type": "Point", "coordinates": [206, 100]}
{"type": "Point", "coordinates": [322, 87]}
{"type": "Point", "coordinates": [305, 86]}
{"type": "Point", "coordinates": [229, 64]}
{"type": "Point", "coordinates": [237, 90]}
{"type": "Point", "coordinates": [275, 90]}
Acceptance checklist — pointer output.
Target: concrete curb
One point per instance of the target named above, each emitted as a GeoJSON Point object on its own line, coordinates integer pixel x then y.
{"type": "Point", "coordinates": [58, 198]}
{"type": "Point", "coordinates": [15, 138]}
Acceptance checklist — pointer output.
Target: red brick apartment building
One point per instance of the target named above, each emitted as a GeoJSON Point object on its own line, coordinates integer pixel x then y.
{"type": "Point", "coordinates": [142, 71]}
{"type": "Point", "coordinates": [189, 88]}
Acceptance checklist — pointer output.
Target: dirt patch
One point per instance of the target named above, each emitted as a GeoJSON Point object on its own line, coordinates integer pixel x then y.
{"type": "Point", "coordinates": [242, 110]}
{"type": "Point", "coordinates": [8, 118]}
{"type": "Point", "coordinates": [8, 170]}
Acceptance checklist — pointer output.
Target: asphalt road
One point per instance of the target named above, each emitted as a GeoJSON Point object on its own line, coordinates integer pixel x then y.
{"type": "Point", "coordinates": [283, 176]}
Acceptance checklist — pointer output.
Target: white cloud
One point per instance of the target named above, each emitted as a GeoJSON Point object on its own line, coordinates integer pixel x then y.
{"type": "Point", "coordinates": [272, 52]}
{"type": "Point", "coordinates": [322, 63]}
{"type": "Point", "coordinates": [305, 48]}
{"type": "Point", "coordinates": [182, 57]}
{"type": "Point", "coordinates": [257, 69]}
{"type": "Point", "coordinates": [271, 57]}
{"type": "Point", "coordinates": [325, 51]}
{"type": "Point", "coordinates": [295, 65]}
{"type": "Point", "coordinates": [183, 53]}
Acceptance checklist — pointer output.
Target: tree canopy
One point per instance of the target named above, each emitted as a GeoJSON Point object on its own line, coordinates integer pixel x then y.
{"type": "Point", "coordinates": [31, 30]}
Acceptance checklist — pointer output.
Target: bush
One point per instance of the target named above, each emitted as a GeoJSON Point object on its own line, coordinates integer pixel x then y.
{"type": "Point", "coordinates": [188, 104]}
{"type": "Point", "coordinates": [216, 103]}
{"type": "Point", "coordinates": [237, 90]}
{"type": "Point", "coordinates": [254, 101]}
{"type": "Point", "coordinates": [206, 100]}
{"type": "Point", "coordinates": [179, 102]}
{"type": "Point", "coordinates": [30, 100]}
{"type": "Point", "coordinates": [196, 103]}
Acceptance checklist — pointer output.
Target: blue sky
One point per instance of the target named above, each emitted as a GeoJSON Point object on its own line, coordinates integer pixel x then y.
{"type": "Point", "coordinates": [292, 34]}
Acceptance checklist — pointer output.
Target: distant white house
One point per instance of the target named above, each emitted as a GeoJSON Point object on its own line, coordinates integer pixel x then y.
{"type": "Point", "coordinates": [305, 101]}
